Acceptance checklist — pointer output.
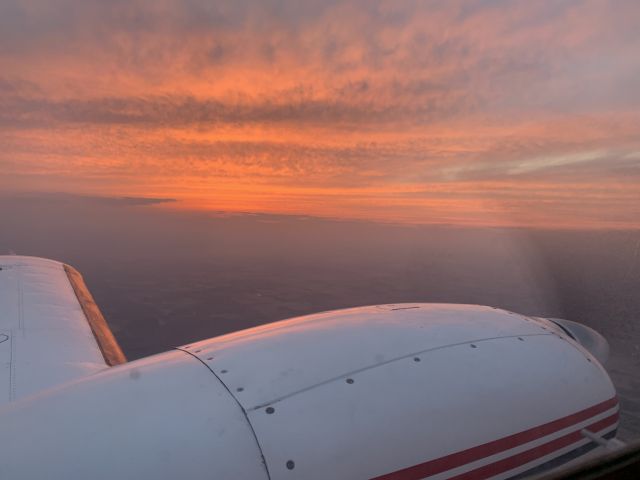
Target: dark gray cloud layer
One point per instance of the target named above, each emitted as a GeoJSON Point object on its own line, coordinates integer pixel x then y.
{"type": "Point", "coordinates": [170, 111]}
{"type": "Point", "coordinates": [60, 199]}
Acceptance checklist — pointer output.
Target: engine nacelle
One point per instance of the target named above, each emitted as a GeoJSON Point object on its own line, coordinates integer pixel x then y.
{"type": "Point", "coordinates": [405, 391]}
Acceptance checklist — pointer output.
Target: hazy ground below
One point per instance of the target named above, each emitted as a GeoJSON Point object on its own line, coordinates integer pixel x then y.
{"type": "Point", "coordinates": [164, 279]}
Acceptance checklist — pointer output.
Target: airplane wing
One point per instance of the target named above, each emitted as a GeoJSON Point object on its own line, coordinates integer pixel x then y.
{"type": "Point", "coordinates": [51, 330]}
{"type": "Point", "coordinates": [388, 391]}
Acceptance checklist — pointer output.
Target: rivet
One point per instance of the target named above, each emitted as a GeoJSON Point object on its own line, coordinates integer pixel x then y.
{"type": "Point", "coordinates": [209, 358]}
{"type": "Point", "coordinates": [223, 371]}
{"type": "Point", "coordinates": [416, 359]}
{"type": "Point", "coordinates": [239, 389]}
{"type": "Point", "coordinates": [290, 464]}
{"type": "Point", "coordinates": [270, 410]}
{"type": "Point", "coordinates": [473, 346]}
{"type": "Point", "coordinates": [349, 380]}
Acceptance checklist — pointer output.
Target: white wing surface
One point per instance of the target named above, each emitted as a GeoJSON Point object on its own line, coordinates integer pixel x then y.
{"type": "Point", "coordinates": [51, 331]}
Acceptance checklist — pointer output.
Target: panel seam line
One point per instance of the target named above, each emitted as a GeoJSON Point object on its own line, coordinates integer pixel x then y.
{"type": "Point", "coordinates": [391, 360]}
{"type": "Point", "coordinates": [244, 412]}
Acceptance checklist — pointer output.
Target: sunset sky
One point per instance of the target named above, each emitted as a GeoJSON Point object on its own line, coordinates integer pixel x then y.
{"type": "Point", "coordinates": [459, 112]}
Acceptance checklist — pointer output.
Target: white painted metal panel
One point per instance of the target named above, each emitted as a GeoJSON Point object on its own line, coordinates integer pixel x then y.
{"type": "Point", "coordinates": [50, 340]}
{"type": "Point", "coordinates": [402, 413]}
{"type": "Point", "coordinates": [264, 364]}
{"type": "Point", "coordinates": [163, 417]}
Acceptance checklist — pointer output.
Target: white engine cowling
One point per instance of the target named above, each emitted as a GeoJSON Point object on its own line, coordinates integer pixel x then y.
{"type": "Point", "coordinates": [390, 391]}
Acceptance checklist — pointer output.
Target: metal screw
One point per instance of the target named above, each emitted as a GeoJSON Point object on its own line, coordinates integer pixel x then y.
{"type": "Point", "coordinates": [290, 464]}
{"type": "Point", "coordinates": [521, 339]}
{"type": "Point", "coordinates": [473, 346]}
{"type": "Point", "coordinates": [239, 389]}
{"type": "Point", "coordinates": [349, 380]}
{"type": "Point", "coordinates": [270, 410]}
{"type": "Point", "coordinates": [210, 358]}
{"type": "Point", "coordinates": [416, 359]}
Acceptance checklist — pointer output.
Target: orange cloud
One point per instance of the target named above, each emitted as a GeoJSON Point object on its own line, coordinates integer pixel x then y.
{"type": "Point", "coordinates": [467, 112]}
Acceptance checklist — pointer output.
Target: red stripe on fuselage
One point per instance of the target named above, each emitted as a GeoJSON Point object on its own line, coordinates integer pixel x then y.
{"type": "Point", "coordinates": [463, 457]}
{"type": "Point", "coordinates": [527, 456]}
